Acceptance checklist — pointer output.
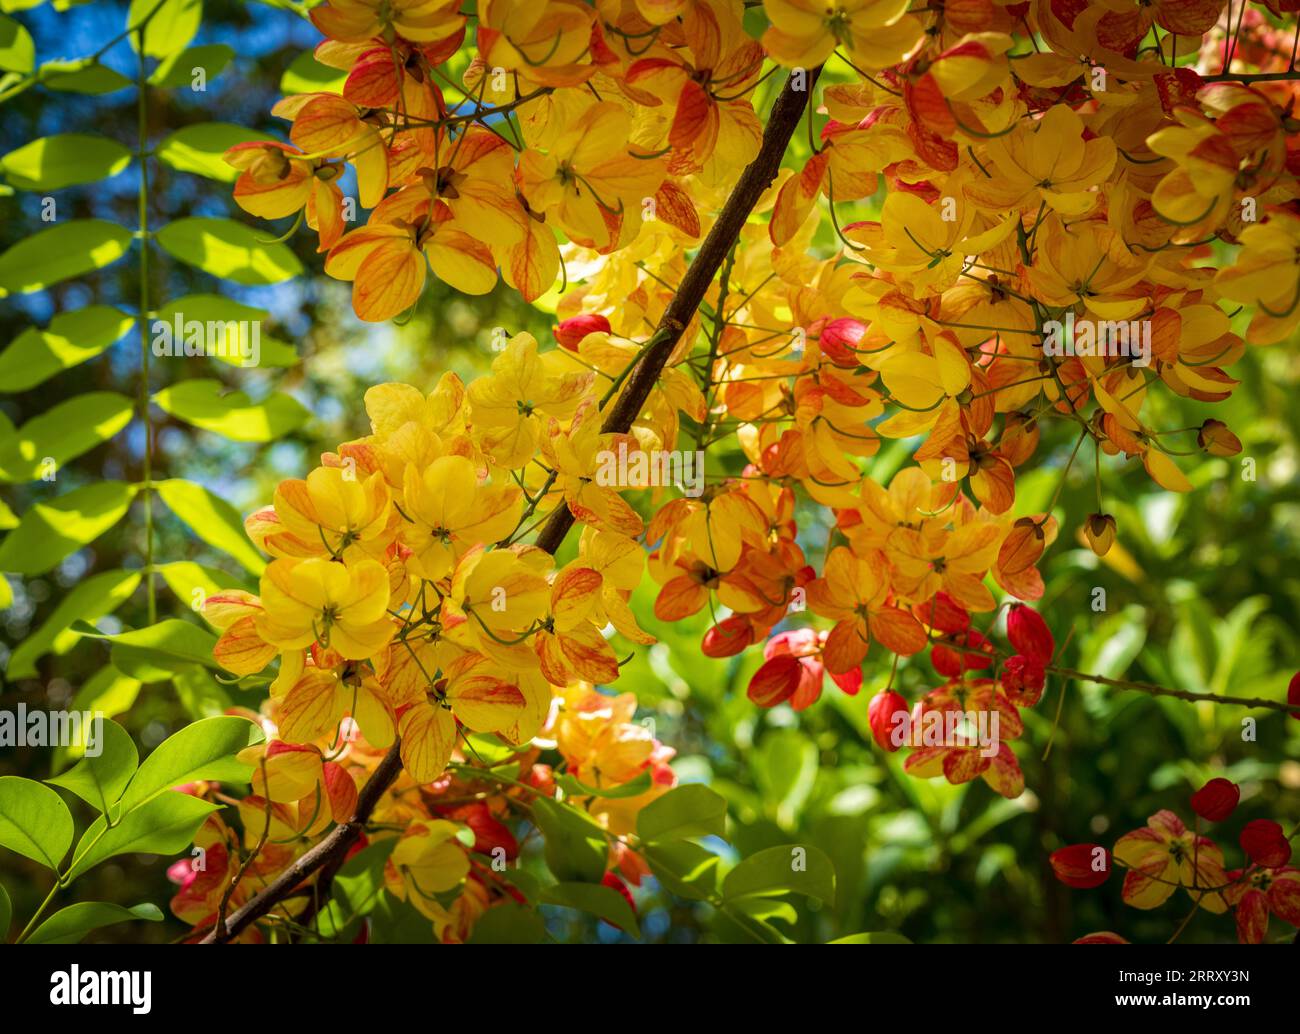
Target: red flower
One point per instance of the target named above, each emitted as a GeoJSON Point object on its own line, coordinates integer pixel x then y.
{"type": "Point", "coordinates": [1082, 866]}
{"type": "Point", "coordinates": [1216, 800]}
{"type": "Point", "coordinates": [950, 663]}
{"type": "Point", "coordinates": [794, 671]}
{"type": "Point", "coordinates": [1265, 843]}
{"type": "Point", "coordinates": [1023, 678]}
{"type": "Point", "coordinates": [728, 637]}
{"type": "Point", "coordinates": [1293, 695]}
{"type": "Point", "coordinates": [1029, 634]}
{"type": "Point", "coordinates": [1264, 891]}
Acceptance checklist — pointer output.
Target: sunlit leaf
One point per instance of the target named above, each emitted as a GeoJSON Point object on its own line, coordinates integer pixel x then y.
{"type": "Point", "coordinates": [232, 415]}
{"type": "Point", "coordinates": [226, 249]}
{"type": "Point", "coordinates": [63, 160]}
{"type": "Point", "coordinates": [71, 338]}
{"type": "Point", "coordinates": [48, 532]}
{"type": "Point", "coordinates": [61, 252]}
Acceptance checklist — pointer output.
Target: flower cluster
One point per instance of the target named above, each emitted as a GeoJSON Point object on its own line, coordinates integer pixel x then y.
{"type": "Point", "coordinates": [456, 839]}
{"type": "Point", "coordinates": [1164, 856]}
{"type": "Point", "coordinates": [1059, 179]}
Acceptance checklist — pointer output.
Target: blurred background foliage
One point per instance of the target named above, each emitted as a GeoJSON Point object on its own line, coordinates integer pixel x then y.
{"type": "Point", "coordinates": [1202, 592]}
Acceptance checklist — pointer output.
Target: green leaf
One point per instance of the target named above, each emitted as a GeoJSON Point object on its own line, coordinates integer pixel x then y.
{"type": "Point", "coordinates": [599, 900]}
{"type": "Point", "coordinates": [34, 821]}
{"type": "Point", "coordinates": [632, 788]}
{"type": "Point", "coordinates": [109, 692]}
{"type": "Point", "coordinates": [873, 937]}
{"type": "Point", "coordinates": [60, 253]}
{"type": "Point", "coordinates": [232, 415]}
{"type": "Point", "coordinates": [226, 249]}
{"type": "Point", "coordinates": [167, 642]}
{"type": "Point", "coordinates": [214, 309]}
{"type": "Point", "coordinates": [779, 870]}
{"type": "Point", "coordinates": [509, 924]}
{"type": "Point", "coordinates": [575, 847]}
{"type": "Point", "coordinates": [212, 519]}
{"type": "Point", "coordinates": [165, 824]}
{"type": "Point", "coordinates": [6, 593]}
{"type": "Point", "coordinates": [63, 433]}
{"type": "Point", "coordinates": [200, 694]}
{"type": "Point", "coordinates": [100, 780]}
{"type": "Point", "coordinates": [690, 810]}
{"type": "Point", "coordinates": [307, 75]}
{"type": "Point", "coordinates": [178, 70]}
{"type": "Point", "coordinates": [204, 750]}
{"type": "Point", "coordinates": [397, 922]}
{"type": "Point", "coordinates": [48, 532]}
{"type": "Point", "coordinates": [357, 888]}
{"type": "Point", "coordinates": [82, 76]}
{"type": "Point", "coordinates": [193, 583]}
{"type": "Point", "coordinates": [35, 355]}
{"type": "Point", "coordinates": [168, 28]}
{"type": "Point", "coordinates": [17, 51]}
{"type": "Point", "coordinates": [88, 601]}
{"type": "Point", "coordinates": [69, 925]}
{"type": "Point", "coordinates": [686, 869]}
{"type": "Point", "coordinates": [64, 160]}
{"type": "Point", "coordinates": [785, 767]}
{"type": "Point", "coordinates": [6, 914]}
{"type": "Point", "coordinates": [200, 149]}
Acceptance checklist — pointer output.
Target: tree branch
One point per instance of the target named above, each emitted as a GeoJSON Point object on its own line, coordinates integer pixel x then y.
{"type": "Point", "coordinates": [328, 855]}
{"type": "Point", "coordinates": [753, 182]}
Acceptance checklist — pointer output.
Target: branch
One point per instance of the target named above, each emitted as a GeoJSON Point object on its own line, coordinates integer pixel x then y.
{"type": "Point", "coordinates": [1155, 690]}
{"type": "Point", "coordinates": [328, 855]}
{"type": "Point", "coordinates": [753, 182]}
{"type": "Point", "coordinates": [335, 846]}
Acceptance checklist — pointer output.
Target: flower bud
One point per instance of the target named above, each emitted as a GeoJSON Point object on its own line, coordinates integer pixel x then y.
{"type": "Point", "coordinates": [570, 332]}
{"type": "Point", "coordinates": [1215, 438]}
{"type": "Point", "coordinates": [884, 715]}
{"type": "Point", "coordinates": [1216, 800]}
{"type": "Point", "coordinates": [1082, 866]}
{"type": "Point", "coordinates": [1100, 532]}
{"type": "Point", "coordinates": [839, 338]}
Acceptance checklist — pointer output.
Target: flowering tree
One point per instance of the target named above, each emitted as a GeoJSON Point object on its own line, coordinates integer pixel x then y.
{"type": "Point", "coordinates": [1075, 212]}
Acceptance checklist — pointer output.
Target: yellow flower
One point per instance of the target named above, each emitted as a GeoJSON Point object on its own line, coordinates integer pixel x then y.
{"type": "Point", "coordinates": [427, 861]}
{"type": "Point", "coordinates": [1046, 160]}
{"type": "Point", "coordinates": [588, 177]}
{"type": "Point", "coordinates": [339, 606]}
{"type": "Point", "coordinates": [873, 33]}
{"type": "Point", "coordinates": [334, 513]}
{"type": "Point", "coordinates": [508, 407]}
{"type": "Point", "coordinates": [448, 513]}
